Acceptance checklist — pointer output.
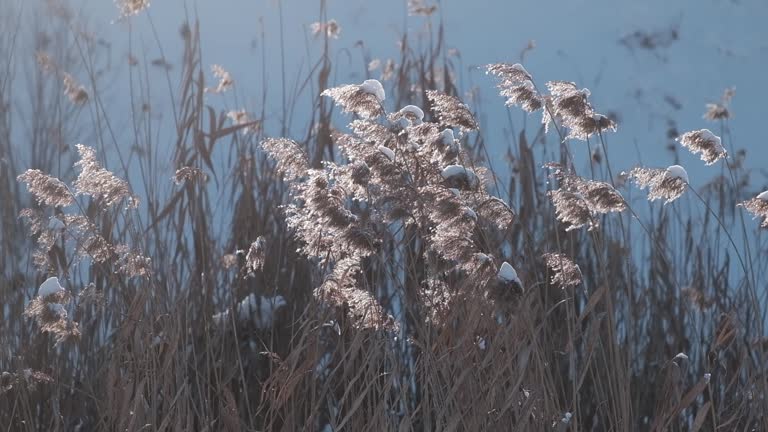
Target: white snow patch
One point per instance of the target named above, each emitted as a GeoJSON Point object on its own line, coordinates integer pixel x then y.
{"type": "Point", "coordinates": [481, 343]}
{"type": "Point", "coordinates": [707, 377]}
{"type": "Point", "coordinates": [597, 116]}
{"type": "Point", "coordinates": [567, 418]}
{"type": "Point", "coordinates": [416, 111]}
{"type": "Point", "coordinates": [459, 170]}
{"type": "Point", "coordinates": [387, 152]}
{"type": "Point", "coordinates": [373, 87]}
{"type": "Point", "coordinates": [763, 196]}
{"type": "Point", "coordinates": [261, 310]}
{"type": "Point", "coordinates": [707, 134]}
{"type": "Point", "coordinates": [676, 171]}
{"type": "Point", "coordinates": [50, 286]}
{"type": "Point", "coordinates": [55, 224]}
{"type": "Point", "coordinates": [508, 273]}
{"type": "Point", "coordinates": [681, 356]}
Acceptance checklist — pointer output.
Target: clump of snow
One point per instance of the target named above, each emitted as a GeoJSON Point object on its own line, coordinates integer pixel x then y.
{"type": "Point", "coordinates": [458, 171]}
{"type": "Point", "coordinates": [373, 87]}
{"type": "Point", "coordinates": [261, 310]}
{"type": "Point", "coordinates": [508, 273]}
{"type": "Point", "coordinates": [707, 135]}
{"type": "Point", "coordinates": [707, 377]}
{"type": "Point", "coordinates": [387, 152]}
{"type": "Point", "coordinates": [763, 196]}
{"type": "Point", "coordinates": [566, 418]}
{"type": "Point", "coordinates": [416, 111]}
{"type": "Point", "coordinates": [681, 356]}
{"type": "Point", "coordinates": [447, 137]}
{"type": "Point", "coordinates": [50, 286]}
{"type": "Point", "coordinates": [676, 171]}
{"type": "Point", "coordinates": [481, 343]}
{"type": "Point", "coordinates": [55, 224]}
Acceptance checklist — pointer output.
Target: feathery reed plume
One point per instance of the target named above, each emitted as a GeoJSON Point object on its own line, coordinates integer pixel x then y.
{"type": "Point", "coordinates": [89, 241]}
{"type": "Point", "coordinates": [362, 99]}
{"type": "Point", "coordinates": [47, 190]}
{"type": "Point", "coordinates": [91, 295]}
{"type": "Point", "coordinates": [241, 117]}
{"type": "Point", "coordinates": [705, 142]}
{"type": "Point", "coordinates": [99, 183]}
{"type": "Point", "coordinates": [292, 162]}
{"type": "Point", "coordinates": [516, 84]}
{"type": "Point", "coordinates": [257, 254]}
{"type": "Point", "coordinates": [570, 104]}
{"type": "Point", "coordinates": [572, 209]}
{"type": "Point", "coordinates": [331, 29]}
{"type": "Point", "coordinates": [565, 272]}
{"type": "Point", "coordinates": [74, 91]}
{"type": "Point", "coordinates": [131, 263]}
{"type": "Point", "coordinates": [451, 111]}
{"type": "Point", "coordinates": [340, 289]}
{"type": "Point", "coordinates": [758, 206]}
{"type": "Point", "coordinates": [497, 211]}
{"type": "Point", "coordinates": [601, 196]}
{"type": "Point", "coordinates": [720, 110]}
{"type": "Point", "coordinates": [26, 378]}
{"type": "Point", "coordinates": [668, 184]}
{"type": "Point", "coordinates": [451, 237]}
{"type": "Point", "coordinates": [578, 200]}
{"type": "Point", "coordinates": [45, 62]}
{"type": "Point", "coordinates": [188, 173]}
{"type": "Point", "coordinates": [228, 261]}
{"type": "Point", "coordinates": [388, 71]}
{"type": "Point", "coordinates": [225, 80]}
{"type": "Point", "coordinates": [130, 8]}
{"type": "Point", "coordinates": [47, 308]}
{"type": "Point", "coordinates": [34, 219]}
{"type": "Point", "coordinates": [419, 7]}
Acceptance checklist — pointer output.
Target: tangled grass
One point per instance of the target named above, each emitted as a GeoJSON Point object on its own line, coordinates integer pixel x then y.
{"type": "Point", "coordinates": [369, 277]}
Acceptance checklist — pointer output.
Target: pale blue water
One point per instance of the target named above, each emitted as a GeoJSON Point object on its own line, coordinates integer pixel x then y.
{"type": "Point", "coordinates": [719, 44]}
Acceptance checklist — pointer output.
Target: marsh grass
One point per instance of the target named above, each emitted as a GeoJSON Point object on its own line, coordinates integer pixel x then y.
{"type": "Point", "coordinates": [386, 245]}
